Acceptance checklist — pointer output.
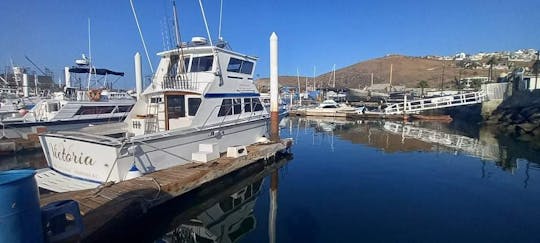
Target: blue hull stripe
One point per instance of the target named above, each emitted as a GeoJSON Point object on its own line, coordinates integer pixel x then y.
{"type": "Point", "coordinates": [230, 95]}
{"type": "Point", "coordinates": [76, 177]}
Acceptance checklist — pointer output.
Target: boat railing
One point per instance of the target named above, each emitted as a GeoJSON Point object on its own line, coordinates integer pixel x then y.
{"type": "Point", "coordinates": [181, 82]}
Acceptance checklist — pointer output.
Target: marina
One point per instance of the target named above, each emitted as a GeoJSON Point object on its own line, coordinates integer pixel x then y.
{"type": "Point", "coordinates": [184, 122]}
{"type": "Point", "coordinates": [330, 153]}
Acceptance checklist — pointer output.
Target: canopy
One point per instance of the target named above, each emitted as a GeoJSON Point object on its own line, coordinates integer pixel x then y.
{"type": "Point", "coordinates": [98, 71]}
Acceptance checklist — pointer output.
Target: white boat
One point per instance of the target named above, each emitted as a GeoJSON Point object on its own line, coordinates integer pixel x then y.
{"type": "Point", "coordinates": [283, 108]}
{"type": "Point", "coordinates": [330, 108]}
{"type": "Point", "coordinates": [201, 101]}
{"type": "Point", "coordinates": [69, 110]}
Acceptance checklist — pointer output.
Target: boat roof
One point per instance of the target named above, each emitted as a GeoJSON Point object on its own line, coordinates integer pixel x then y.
{"type": "Point", "coordinates": [201, 49]}
{"type": "Point", "coordinates": [98, 71]}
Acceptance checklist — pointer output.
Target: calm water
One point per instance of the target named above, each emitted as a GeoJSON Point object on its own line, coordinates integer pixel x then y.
{"type": "Point", "coordinates": [354, 181]}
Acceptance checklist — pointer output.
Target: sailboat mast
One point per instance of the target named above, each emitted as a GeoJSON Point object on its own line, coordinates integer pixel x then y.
{"type": "Point", "coordinates": [90, 62]}
{"type": "Point", "coordinates": [298, 80]}
{"type": "Point", "coordinates": [334, 84]}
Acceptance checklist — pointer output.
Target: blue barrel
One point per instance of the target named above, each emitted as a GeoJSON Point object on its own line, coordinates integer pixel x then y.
{"type": "Point", "coordinates": [20, 215]}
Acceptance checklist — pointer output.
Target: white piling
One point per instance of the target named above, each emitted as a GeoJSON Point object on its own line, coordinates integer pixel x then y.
{"type": "Point", "coordinates": [274, 73]}
{"type": "Point", "coordinates": [36, 84]}
{"type": "Point", "coordinates": [138, 75]}
{"type": "Point", "coordinates": [26, 91]}
{"type": "Point", "coordinates": [67, 77]}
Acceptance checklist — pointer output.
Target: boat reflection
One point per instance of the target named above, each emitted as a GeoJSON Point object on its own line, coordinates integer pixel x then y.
{"type": "Point", "coordinates": [226, 221]}
{"type": "Point", "coordinates": [396, 136]}
{"type": "Point", "coordinates": [227, 215]}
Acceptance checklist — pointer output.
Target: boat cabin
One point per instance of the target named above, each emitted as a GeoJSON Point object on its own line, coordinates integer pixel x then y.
{"type": "Point", "coordinates": [195, 86]}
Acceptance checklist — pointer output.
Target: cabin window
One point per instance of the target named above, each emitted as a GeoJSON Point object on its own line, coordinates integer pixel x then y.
{"type": "Point", "coordinates": [156, 100]}
{"type": "Point", "coordinates": [247, 67]}
{"type": "Point", "coordinates": [237, 108]}
{"type": "Point", "coordinates": [93, 110]}
{"type": "Point", "coordinates": [202, 64]}
{"type": "Point", "coordinates": [240, 66]}
{"type": "Point", "coordinates": [247, 104]}
{"type": "Point", "coordinates": [52, 107]}
{"type": "Point", "coordinates": [175, 68]}
{"type": "Point", "coordinates": [234, 65]}
{"type": "Point", "coordinates": [124, 108]}
{"type": "Point", "coordinates": [176, 106]}
{"type": "Point", "coordinates": [193, 106]}
{"type": "Point", "coordinates": [257, 106]}
{"type": "Point", "coordinates": [226, 107]}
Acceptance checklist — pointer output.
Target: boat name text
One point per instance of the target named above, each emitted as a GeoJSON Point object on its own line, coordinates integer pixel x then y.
{"type": "Point", "coordinates": [67, 155]}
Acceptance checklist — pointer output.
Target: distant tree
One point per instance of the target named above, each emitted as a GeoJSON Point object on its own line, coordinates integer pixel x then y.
{"type": "Point", "coordinates": [492, 61]}
{"type": "Point", "coordinates": [423, 84]}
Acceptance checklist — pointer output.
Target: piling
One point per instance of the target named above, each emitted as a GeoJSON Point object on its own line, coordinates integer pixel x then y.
{"type": "Point", "coordinates": [138, 75]}
{"type": "Point", "coordinates": [26, 91]}
{"type": "Point", "coordinates": [67, 77]}
{"type": "Point", "coordinates": [274, 89]}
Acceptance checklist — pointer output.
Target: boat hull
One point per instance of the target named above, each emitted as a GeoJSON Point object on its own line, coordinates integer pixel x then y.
{"type": "Point", "coordinates": [89, 158]}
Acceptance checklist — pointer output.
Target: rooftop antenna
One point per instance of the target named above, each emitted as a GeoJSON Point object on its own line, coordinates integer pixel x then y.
{"type": "Point", "coordinates": [141, 35]}
{"type": "Point", "coordinates": [206, 23]}
{"type": "Point", "coordinates": [220, 19]}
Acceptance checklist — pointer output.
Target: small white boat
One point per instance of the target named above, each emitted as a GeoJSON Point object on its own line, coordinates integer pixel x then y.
{"type": "Point", "coordinates": [330, 108]}
{"type": "Point", "coordinates": [201, 101]}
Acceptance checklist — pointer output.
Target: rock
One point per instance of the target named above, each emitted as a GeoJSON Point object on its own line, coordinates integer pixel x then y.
{"type": "Point", "coordinates": [536, 132]}
{"type": "Point", "coordinates": [528, 111]}
{"type": "Point", "coordinates": [527, 127]}
{"type": "Point", "coordinates": [511, 129]}
{"type": "Point", "coordinates": [517, 118]}
{"type": "Point", "coordinates": [535, 118]}
{"type": "Point", "coordinates": [525, 138]}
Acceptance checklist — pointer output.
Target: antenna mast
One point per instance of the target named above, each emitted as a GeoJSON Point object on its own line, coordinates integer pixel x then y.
{"type": "Point", "coordinates": [141, 35]}
{"type": "Point", "coordinates": [206, 23]}
{"type": "Point", "coordinates": [176, 27]}
{"type": "Point", "coordinates": [220, 19]}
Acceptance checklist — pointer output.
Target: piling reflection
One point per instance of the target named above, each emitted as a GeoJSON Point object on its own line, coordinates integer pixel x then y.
{"type": "Point", "coordinates": [399, 136]}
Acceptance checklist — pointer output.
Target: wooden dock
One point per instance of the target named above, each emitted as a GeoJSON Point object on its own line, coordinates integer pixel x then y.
{"type": "Point", "coordinates": [109, 203]}
{"type": "Point", "coordinates": [352, 115]}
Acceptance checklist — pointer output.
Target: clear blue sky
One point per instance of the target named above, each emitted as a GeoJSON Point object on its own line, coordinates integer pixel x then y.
{"type": "Point", "coordinates": [322, 33]}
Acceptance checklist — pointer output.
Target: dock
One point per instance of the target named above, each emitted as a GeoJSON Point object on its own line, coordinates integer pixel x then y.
{"type": "Point", "coordinates": [351, 115]}
{"type": "Point", "coordinates": [114, 202]}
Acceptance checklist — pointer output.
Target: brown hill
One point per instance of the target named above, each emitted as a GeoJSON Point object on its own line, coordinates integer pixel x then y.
{"type": "Point", "coordinates": [406, 71]}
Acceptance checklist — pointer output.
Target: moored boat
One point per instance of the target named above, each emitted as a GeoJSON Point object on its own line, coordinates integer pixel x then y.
{"type": "Point", "coordinates": [201, 101]}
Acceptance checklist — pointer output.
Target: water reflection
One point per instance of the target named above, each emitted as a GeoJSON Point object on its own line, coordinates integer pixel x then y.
{"type": "Point", "coordinates": [23, 160]}
{"type": "Point", "coordinates": [226, 221]}
{"type": "Point", "coordinates": [398, 136]}
{"type": "Point", "coordinates": [227, 214]}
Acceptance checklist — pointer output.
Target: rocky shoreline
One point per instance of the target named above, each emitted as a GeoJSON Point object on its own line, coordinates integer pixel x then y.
{"type": "Point", "coordinates": [518, 116]}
